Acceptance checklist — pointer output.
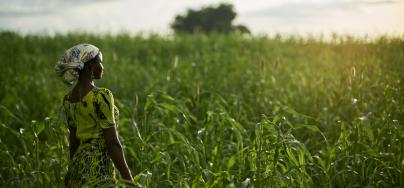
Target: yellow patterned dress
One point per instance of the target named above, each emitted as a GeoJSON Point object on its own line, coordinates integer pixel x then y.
{"type": "Point", "coordinates": [90, 165]}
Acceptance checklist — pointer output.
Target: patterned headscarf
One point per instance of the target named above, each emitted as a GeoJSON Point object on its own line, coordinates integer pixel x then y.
{"type": "Point", "coordinates": [73, 60]}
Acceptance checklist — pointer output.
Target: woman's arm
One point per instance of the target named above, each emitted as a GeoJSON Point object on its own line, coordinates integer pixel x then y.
{"type": "Point", "coordinates": [73, 145]}
{"type": "Point", "coordinates": [116, 152]}
{"type": "Point", "coordinates": [73, 141]}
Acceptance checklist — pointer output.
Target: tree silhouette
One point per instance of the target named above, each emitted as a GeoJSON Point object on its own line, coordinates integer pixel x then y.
{"type": "Point", "coordinates": [208, 19]}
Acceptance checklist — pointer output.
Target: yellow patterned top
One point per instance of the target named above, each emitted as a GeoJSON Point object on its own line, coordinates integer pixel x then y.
{"type": "Point", "coordinates": [95, 111]}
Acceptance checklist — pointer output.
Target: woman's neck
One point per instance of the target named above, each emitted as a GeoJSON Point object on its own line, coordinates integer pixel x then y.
{"type": "Point", "coordinates": [85, 82]}
{"type": "Point", "coordinates": [82, 87]}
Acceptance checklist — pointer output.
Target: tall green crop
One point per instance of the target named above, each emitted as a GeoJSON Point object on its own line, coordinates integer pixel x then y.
{"type": "Point", "coordinates": [216, 110]}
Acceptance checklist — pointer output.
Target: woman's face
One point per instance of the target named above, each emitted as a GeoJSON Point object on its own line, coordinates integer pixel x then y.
{"type": "Point", "coordinates": [97, 68]}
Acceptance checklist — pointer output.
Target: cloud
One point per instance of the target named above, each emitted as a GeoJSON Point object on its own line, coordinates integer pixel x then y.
{"type": "Point", "coordinates": [22, 8]}
{"type": "Point", "coordinates": [307, 9]}
{"type": "Point", "coordinates": [379, 2]}
{"type": "Point", "coordinates": [343, 16]}
{"type": "Point", "coordinates": [52, 16]}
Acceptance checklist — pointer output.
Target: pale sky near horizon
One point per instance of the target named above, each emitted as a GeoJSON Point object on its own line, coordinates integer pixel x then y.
{"type": "Point", "coordinates": [357, 17]}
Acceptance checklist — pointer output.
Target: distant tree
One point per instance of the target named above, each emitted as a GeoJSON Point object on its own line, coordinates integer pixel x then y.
{"type": "Point", "coordinates": [241, 29]}
{"type": "Point", "coordinates": [208, 19]}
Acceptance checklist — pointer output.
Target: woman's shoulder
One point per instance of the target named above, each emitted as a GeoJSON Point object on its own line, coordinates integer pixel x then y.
{"type": "Point", "coordinates": [102, 90]}
{"type": "Point", "coordinates": [104, 99]}
{"type": "Point", "coordinates": [103, 93]}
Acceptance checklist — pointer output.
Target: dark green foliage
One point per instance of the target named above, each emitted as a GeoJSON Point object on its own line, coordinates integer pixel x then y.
{"type": "Point", "coordinates": [207, 20]}
{"type": "Point", "coordinates": [216, 110]}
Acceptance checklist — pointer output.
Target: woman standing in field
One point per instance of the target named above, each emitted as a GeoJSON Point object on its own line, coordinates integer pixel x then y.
{"type": "Point", "coordinates": [92, 119]}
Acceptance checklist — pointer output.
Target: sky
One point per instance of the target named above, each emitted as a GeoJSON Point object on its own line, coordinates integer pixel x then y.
{"type": "Point", "coordinates": [355, 17]}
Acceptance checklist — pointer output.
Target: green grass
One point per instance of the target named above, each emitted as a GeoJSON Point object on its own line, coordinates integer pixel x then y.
{"type": "Point", "coordinates": [216, 111]}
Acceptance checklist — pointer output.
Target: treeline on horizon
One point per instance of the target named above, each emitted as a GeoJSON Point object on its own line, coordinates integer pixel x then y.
{"type": "Point", "coordinates": [333, 37]}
